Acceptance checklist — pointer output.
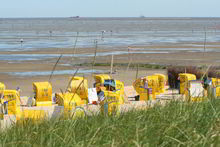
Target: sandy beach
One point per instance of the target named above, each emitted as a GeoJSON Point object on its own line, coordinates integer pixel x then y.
{"type": "Point", "coordinates": [131, 40]}
{"type": "Point", "coordinates": [60, 81]}
{"type": "Point", "coordinates": [8, 69]}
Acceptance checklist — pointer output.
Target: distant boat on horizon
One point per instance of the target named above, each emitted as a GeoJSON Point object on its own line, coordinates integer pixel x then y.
{"type": "Point", "coordinates": [74, 17]}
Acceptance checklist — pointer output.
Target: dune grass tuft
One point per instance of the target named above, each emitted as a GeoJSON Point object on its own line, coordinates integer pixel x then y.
{"type": "Point", "coordinates": [177, 123]}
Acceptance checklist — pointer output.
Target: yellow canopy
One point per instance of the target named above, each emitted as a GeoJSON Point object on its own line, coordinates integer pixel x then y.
{"type": "Point", "coordinates": [100, 78]}
{"type": "Point", "coordinates": [186, 77]}
{"type": "Point", "coordinates": [2, 88]}
{"type": "Point", "coordinates": [43, 91]}
{"type": "Point", "coordinates": [13, 99]}
{"type": "Point", "coordinates": [79, 85]}
{"type": "Point", "coordinates": [69, 101]}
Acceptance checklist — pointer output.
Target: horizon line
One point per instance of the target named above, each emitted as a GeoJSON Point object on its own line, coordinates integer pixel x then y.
{"type": "Point", "coordinates": [78, 17]}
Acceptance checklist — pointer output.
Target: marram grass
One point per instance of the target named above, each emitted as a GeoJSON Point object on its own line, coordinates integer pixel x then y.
{"type": "Point", "coordinates": [176, 124]}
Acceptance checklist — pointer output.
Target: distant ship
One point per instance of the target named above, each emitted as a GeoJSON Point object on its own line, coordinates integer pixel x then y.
{"type": "Point", "coordinates": [74, 17]}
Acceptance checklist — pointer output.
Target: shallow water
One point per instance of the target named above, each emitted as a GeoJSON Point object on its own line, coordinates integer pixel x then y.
{"type": "Point", "coordinates": [107, 42]}
{"type": "Point", "coordinates": [30, 57]}
{"type": "Point", "coordinates": [57, 72]}
{"type": "Point", "coordinates": [61, 32]}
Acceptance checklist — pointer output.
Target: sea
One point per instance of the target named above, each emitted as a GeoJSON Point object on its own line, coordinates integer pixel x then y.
{"type": "Point", "coordinates": [24, 34]}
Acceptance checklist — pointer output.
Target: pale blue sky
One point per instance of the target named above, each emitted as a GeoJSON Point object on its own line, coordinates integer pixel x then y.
{"type": "Point", "coordinates": [110, 8]}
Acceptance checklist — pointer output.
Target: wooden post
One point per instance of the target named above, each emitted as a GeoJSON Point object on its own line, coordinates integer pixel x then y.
{"type": "Point", "coordinates": [21, 41]}
{"type": "Point", "coordinates": [137, 71]}
{"type": "Point", "coordinates": [112, 62]}
{"type": "Point", "coordinates": [129, 58]}
{"type": "Point", "coordinates": [74, 47]}
{"type": "Point", "coordinates": [204, 44]}
{"type": "Point", "coordinates": [94, 59]}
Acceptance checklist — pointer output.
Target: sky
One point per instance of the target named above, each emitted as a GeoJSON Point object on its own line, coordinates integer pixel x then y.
{"type": "Point", "coordinates": [109, 8]}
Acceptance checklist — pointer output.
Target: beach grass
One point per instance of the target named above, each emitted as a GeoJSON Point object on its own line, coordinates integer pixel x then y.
{"type": "Point", "coordinates": [175, 124]}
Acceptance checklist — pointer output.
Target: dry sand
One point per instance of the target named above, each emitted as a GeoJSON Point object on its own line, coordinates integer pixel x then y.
{"type": "Point", "coordinates": [61, 81]}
